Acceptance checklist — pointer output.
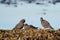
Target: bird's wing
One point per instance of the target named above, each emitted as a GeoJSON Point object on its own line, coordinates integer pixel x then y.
{"type": "Point", "coordinates": [45, 23]}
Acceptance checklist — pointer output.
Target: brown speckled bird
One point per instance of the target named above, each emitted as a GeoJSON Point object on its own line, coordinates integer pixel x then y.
{"type": "Point", "coordinates": [26, 26]}
{"type": "Point", "coordinates": [20, 24]}
{"type": "Point", "coordinates": [45, 23]}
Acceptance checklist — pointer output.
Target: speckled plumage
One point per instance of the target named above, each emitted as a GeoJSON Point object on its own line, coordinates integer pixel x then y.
{"type": "Point", "coordinates": [20, 24]}
{"type": "Point", "coordinates": [26, 26]}
{"type": "Point", "coordinates": [45, 23]}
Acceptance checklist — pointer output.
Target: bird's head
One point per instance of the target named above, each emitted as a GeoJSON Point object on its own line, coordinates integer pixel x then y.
{"type": "Point", "coordinates": [41, 18]}
{"type": "Point", "coordinates": [22, 20]}
{"type": "Point", "coordinates": [25, 24]}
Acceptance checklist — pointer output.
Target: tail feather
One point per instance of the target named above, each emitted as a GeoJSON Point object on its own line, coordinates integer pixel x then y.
{"type": "Point", "coordinates": [51, 27]}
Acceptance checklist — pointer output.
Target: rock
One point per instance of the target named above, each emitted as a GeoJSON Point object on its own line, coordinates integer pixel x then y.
{"type": "Point", "coordinates": [31, 34]}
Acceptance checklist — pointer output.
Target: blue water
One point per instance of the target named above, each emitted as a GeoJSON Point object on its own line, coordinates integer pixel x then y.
{"type": "Point", "coordinates": [10, 15]}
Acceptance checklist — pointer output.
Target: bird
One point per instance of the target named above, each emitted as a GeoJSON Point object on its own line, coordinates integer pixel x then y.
{"type": "Point", "coordinates": [20, 24]}
{"type": "Point", "coordinates": [45, 23]}
{"type": "Point", "coordinates": [26, 26]}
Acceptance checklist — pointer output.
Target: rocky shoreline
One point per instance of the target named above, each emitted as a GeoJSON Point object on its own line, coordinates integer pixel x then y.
{"type": "Point", "coordinates": [31, 34]}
